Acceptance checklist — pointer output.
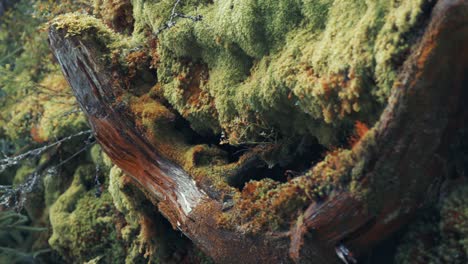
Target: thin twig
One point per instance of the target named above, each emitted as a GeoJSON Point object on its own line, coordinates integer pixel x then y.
{"type": "Point", "coordinates": [12, 161]}
{"type": "Point", "coordinates": [171, 22]}
{"type": "Point", "coordinates": [15, 196]}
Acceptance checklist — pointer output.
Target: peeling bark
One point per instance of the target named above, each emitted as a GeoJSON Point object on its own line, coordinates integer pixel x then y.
{"type": "Point", "coordinates": [404, 161]}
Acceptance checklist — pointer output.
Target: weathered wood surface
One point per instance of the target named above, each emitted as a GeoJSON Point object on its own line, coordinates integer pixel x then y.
{"type": "Point", "coordinates": [409, 154]}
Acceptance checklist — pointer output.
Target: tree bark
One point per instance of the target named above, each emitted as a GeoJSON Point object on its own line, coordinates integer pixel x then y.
{"type": "Point", "coordinates": [404, 157]}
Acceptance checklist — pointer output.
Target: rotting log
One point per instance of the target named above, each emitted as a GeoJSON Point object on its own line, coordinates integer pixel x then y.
{"type": "Point", "coordinates": [404, 157]}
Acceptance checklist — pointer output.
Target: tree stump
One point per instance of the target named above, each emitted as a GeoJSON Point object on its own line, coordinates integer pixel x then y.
{"type": "Point", "coordinates": [400, 163]}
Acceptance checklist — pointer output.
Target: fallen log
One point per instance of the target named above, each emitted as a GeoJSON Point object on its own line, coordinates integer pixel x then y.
{"type": "Point", "coordinates": [398, 166]}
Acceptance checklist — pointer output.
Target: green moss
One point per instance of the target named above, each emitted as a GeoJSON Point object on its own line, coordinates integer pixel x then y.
{"type": "Point", "coordinates": [262, 72]}
{"type": "Point", "coordinates": [282, 67]}
{"type": "Point", "coordinates": [22, 116]}
{"type": "Point", "coordinates": [76, 24]}
{"type": "Point", "coordinates": [23, 172]}
{"type": "Point", "coordinates": [140, 246]}
{"type": "Point", "coordinates": [121, 201]}
{"type": "Point", "coordinates": [60, 116]}
{"type": "Point", "coordinates": [84, 226]}
{"type": "Point", "coordinates": [52, 188]}
{"type": "Point", "coordinates": [100, 158]}
{"type": "Point", "coordinates": [115, 13]}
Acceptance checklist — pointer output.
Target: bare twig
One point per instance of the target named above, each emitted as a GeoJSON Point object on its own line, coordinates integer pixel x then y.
{"type": "Point", "coordinates": [15, 196]}
{"type": "Point", "coordinates": [171, 22]}
{"type": "Point", "coordinates": [12, 161]}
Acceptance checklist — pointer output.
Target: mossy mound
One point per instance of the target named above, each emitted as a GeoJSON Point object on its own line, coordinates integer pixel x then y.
{"type": "Point", "coordinates": [264, 70]}
{"type": "Point", "coordinates": [84, 226]}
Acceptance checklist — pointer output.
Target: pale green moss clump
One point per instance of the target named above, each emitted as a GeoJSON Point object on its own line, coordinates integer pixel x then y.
{"type": "Point", "coordinates": [141, 245]}
{"type": "Point", "coordinates": [76, 24]}
{"type": "Point", "coordinates": [84, 226]}
{"type": "Point", "coordinates": [273, 69]}
{"type": "Point", "coordinates": [100, 158]}
{"type": "Point", "coordinates": [61, 116]}
{"type": "Point", "coordinates": [46, 113]}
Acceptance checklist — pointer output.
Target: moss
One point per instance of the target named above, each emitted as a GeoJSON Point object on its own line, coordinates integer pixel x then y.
{"type": "Point", "coordinates": [75, 24]}
{"type": "Point", "coordinates": [139, 244]}
{"type": "Point", "coordinates": [22, 116]}
{"type": "Point", "coordinates": [100, 158]}
{"type": "Point", "coordinates": [48, 111]}
{"type": "Point", "coordinates": [23, 172]}
{"type": "Point", "coordinates": [282, 67]}
{"type": "Point", "coordinates": [263, 73]}
{"type": "Point", "coordinates": [52, 188]}
{"type": "Point", "coordinates": [60, 116]}
{"type": "Point", "coordinates": [83, 225]}
{"type": "Point", "coordinates": [117, 14]}
{"type": "Point", "coordinates": [258, 72]}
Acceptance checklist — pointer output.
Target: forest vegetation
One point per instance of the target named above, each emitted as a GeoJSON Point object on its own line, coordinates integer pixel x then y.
{"type": "Point", "coordinates": [265, 109]}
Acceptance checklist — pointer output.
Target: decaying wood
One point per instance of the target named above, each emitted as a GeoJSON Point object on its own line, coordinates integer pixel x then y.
{"type": "Point", "coordinates": [408, 152]}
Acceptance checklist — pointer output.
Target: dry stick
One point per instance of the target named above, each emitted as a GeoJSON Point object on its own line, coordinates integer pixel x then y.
{"type": "Point", "coordinates": [15, 196]}
{"type": "Point", "coordinates": [169, 24]}
{"type": "Point", "coordinates": [12, 161]}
